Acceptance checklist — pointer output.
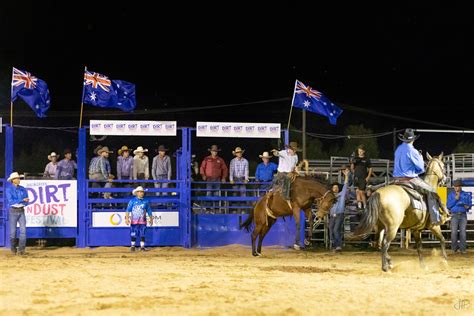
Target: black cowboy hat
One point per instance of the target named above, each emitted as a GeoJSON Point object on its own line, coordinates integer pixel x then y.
{"type": "Point", "coordinates": [161, 148]}
{"type": "Point", "coordinates": [408, 136]}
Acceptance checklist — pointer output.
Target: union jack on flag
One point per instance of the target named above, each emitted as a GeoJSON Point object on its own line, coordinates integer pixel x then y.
{"type": "Point", "coordinates": [32, 90]}
{"type": "Point", "coordinates": [23, 78]}
{"type": "Point", "coordinates": [97, 80]}
{"type": "Point", "coordinates": [306, 98]}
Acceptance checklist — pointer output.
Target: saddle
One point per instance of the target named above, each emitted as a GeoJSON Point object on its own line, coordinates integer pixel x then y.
{"type": "Point", "coordinates": [417, 200]}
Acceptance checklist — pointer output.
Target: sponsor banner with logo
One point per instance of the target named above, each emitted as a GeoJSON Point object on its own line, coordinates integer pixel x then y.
{"type": "Point", "coordinates": [135, 128]}
{"type": "Point", "coordinates": [53, 203]}
{"type": "Point", "coordinates": [117, 219]}
{"type": "Point", "coordinates": [243, 130]}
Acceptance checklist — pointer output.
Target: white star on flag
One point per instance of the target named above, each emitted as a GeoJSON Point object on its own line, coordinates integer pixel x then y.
{"type": "Point", "coordinates": [306, 104]}
{"type": "Point", "coordinates": [93, 96]}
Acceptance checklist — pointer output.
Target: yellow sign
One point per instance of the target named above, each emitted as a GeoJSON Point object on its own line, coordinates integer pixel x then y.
{"type": "Point", "coordinates": [443, 194]}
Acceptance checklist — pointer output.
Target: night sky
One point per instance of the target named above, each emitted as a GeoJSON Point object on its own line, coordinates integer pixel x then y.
{"type": "Point", "coordinates": [413, 62]}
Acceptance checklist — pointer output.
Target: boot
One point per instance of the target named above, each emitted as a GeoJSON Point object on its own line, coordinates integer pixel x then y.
{"type": "Point", "coordinates": [13, 245]}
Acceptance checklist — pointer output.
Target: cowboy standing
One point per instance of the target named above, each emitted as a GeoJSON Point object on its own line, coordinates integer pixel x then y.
{"type": "Point", "coordinates": [99, 168]}
{"type": "Point", "coordinates": [50, 169]}
{"type": "Point", "coordinates": [336, 214]}
{"type": "Point", "coordinates": [141, 165]}
{"type": "Point", "coordinates": [213, 169]}
{"type": "Point", "coordinates": [124, 164]}
{"type": "Point", "coordinates": [17, 199]}
{"type": "Point", "coordinates": [239, 172]}
{"type": "Point", "coordinates": [287, 161]}
{"type": "Point", "coordinates": [408, 164]}
{"type": "Point", "coordinates": [139, 207]}
{"type": "Point", "coordinates": [65, 168]}
{"type": "Point", "coordinates": [161, 168]}
{"type": "Point", "coordinates": [459, 203]}
{"type": "Point", "coordinates": [265, 170]}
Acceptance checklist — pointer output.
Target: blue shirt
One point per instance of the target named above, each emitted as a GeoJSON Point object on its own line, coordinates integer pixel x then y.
{"type": "Point", "coordinates": [340, 205]}
{"type": "Point", "coordinates": [65, 169]}
{"type": "Point", "coordinates": [265, 172]}
{"type": "Point", "coordinates": [15, 195]}
{"type": "Point", "coordinates": [456, 206]}
{"type": "Point", "coordinates": [139, 208]}
{"type": "Point", "coordinates": [408, 162]}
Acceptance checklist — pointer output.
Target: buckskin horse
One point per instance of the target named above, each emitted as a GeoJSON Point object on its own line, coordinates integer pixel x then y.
{"type": "Point", "coordinates": [304, 192]}
{"type": "Point", "coordinates": [389, 209]}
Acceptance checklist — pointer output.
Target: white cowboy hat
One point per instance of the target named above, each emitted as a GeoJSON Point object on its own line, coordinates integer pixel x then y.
{"type": "Point", "coordinates": [138, 189]}
{"type": "Point", "coordinates": [51, 155]}
{"type": "Point", "coordinates": [140, 150]}
{"type": "Point", "coordinates": [238, 150]}
{"type": "Point", "coordinates": [265, 155]}
{"type": "Point", "coordinates": [14, 175]}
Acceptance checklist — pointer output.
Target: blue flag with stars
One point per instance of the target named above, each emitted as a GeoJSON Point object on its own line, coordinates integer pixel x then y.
{"type": "Point", "coordinates": [100, 91]}
{"type": "Point", "coordinates": [307, 98]}
{"type": "Point", "coordinates": [32, 90]}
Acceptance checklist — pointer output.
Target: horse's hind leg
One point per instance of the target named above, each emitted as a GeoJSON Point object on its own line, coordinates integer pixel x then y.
{"type": "Point", "coordinates": [436, 230]}
{"type": "Point", "coordinates": [264, 231]}
{"type": "Point", "coordinates": [255, 233]}
{"type": "Point", "coordinates": [418, 245]}
{"type": "Point", "coordinates": [386, 260]}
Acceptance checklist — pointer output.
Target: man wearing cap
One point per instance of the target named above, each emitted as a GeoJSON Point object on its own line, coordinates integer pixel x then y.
{"type": "Point", "coordinates": [213, 169]}
{"type": "Point", "coordinates": [239, 172]}
{"type": "Point", "coordinates": [459, 203]}
{"type": "Point", "coordinates": [408, 164]}
{"type": "Point", "coordinates": [65, 168]}
{"type": "Point", "coordinates": [17, 199]}
{"type": "Point", "coordinates": [50, 169]}
{"type": "Point", "coordinates": [161, 168]}
{"type": "Point", "coordinates": [287, 161]}
{"type": "Point", "coordinates": [265, 170]}
{"type": "Point", "coordinates": [139, 207]}
{"type": "Point", "coordinates": [141, 166]}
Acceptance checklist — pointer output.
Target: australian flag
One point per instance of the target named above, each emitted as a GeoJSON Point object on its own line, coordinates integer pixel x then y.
{"type": "Point", "coordinates": [32, 90]}
{"type": "Point", "coordinates": [100, 91]}
{"type": "Point", "coordinates": [307, 98]}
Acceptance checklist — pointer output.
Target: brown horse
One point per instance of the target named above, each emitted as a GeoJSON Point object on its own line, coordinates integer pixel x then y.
{"type": "Point", "coordinates": [304, 192]}
{"type": "Point", "coordinates": [389, 209]}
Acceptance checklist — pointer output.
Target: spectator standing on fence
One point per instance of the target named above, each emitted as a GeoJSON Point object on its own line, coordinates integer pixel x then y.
{"type": "Point", "coordinates": [361, 168]}
{"type": "Point", "coordinates": [336, 214]}
{"type": "Point", "coordinates": [239, 173]}
{"type": "Point", "coordinates": [17, 199]}
{"type": "Point", "coordinates": [459, 203]}
{"type": "Point", "coordinates": [50, 169]}
{"type": "Point", "coordinates": [265, 170]}
{"type": "Point", "coordinates": [194, 168]}
{"type": "Point", "coordinates": [66, 167]}
{"type": "Point", "coordinates": [139, 208]}
{"type": "Point", "coordinates": [213, 169]}
{"type": "Point", "coordinates": [141, 166]}
{"type": "Point", "coordinates": [161, 168]}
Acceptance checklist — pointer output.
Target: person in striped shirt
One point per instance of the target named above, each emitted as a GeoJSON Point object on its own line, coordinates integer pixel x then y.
{"type": "Point", "coordinates": [239, 174]}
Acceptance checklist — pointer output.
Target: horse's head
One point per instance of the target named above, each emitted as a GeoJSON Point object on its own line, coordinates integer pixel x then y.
{"type": "Point", "coordinates": [324, 204]}
{"type": "Point", "coordinates": [435, 168]}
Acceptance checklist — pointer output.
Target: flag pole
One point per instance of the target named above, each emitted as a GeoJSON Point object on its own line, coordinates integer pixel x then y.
{"type": "Point", "coordinates": [82, 100]}
{"type": "Point", "coordinates": [11, 101]}
{"type": "Point", "coordinates": [291, 108]}
{"type": "Point", "coordinates": [304, 133]}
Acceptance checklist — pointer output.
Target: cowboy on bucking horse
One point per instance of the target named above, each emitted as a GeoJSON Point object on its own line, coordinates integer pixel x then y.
{"type": "Point", "coordinates": [287, 163]}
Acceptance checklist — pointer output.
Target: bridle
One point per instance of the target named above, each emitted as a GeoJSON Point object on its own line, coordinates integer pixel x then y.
{"type": "Point", "coordinates": [318, 200]}
{"type": "Point", "coordinates": [440, 165]}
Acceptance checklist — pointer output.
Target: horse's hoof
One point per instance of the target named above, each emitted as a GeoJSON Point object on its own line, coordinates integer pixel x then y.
{"type": "Point", "coordinates": [255, 254]}
{"type": "Point", "coordinates": [296, 247]}
{"type": "Point", "coordinates": [307, 242]}
{"type": "Point", "coordinates": [390, 266]}
{"type": "Point", "coordinates": [259, 254]}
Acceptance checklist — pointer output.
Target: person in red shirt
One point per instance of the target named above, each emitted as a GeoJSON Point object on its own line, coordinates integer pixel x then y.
{"type": "Point", "coordinates": [213, 170]}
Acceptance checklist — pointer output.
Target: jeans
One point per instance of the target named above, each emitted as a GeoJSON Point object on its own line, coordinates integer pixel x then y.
{"type": "Point", "coordinates": [458, 221]}
{"type": "Point", "coordinates": [240, 186]}
{"type": "Point", "coordinates": [335, 229]}
{"type": "Point", "coordinates": [433, 202]}
{"type": "Point", "coordinates": [163, 185]}
{"type": "Point", "coordinates": [17, 215]}
{"type": "Point", "coordinates": [215, 187]}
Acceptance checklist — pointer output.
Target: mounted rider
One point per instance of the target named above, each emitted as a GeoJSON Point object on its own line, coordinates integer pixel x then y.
{"type": "Point", "coordinates": [408, 164]}
{"type": "Point", "coordinates": [287, 161]}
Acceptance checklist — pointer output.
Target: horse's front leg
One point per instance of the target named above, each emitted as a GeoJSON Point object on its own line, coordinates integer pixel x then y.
{"type": "Point", "coordinates": [296, 216]}
{"type": "Point", "coordinates": [309, 218]}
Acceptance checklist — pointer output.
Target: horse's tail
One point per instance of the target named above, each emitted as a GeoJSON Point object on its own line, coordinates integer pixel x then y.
{"type": "Point", "coordinates": [248, 222]}
{"type": "Point", "coordinates": [369, 219]}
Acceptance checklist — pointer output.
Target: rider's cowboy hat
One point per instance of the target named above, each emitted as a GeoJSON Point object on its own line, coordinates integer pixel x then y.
{"type": "Point", "coordinates": [161, 148]}
{"type": "Point", "coordinates": [457, 183]}
{"type": "Point", "coordinates": [51, 155]}
{"type": "Point", "coordinates": [214, 148]}
{"type": "Point", "coordinates": [138, 189]}
{"type": "Point", "coordinates": [265, 155]}
{"type": "Point", "coordinates": [408, 136]}
{"type": "Point", "coordinates": [14, 175]}
{"type": "Point", "coordinates": [104, 149]}
{"type": "Point", "coordinates": [121, 150]}
{"type": "Point", "coordinates": [140, 150]}
{"type": "Point", "coordinates": [294, 146]}
{"type": "Point", "coordinates": [238, 150]}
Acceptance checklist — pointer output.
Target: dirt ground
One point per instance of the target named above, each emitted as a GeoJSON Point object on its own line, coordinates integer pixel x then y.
{"type": "Point", "coordinates": [229, 281]}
